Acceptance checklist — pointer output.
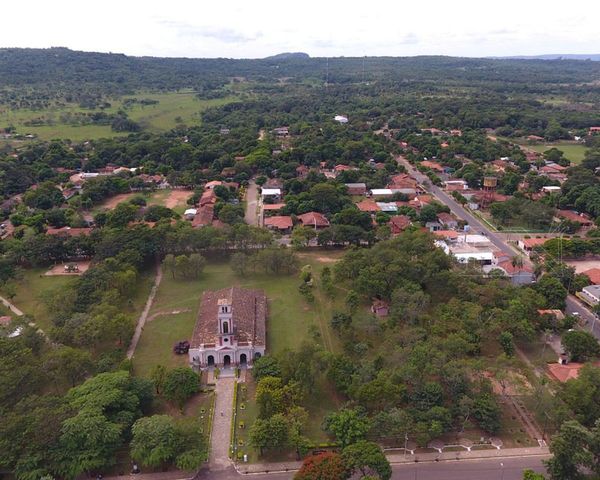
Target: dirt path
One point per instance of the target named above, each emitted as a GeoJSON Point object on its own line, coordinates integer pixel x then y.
{"type": "Point", "coordinates": [177, 198]}
{"type": "Point", "coordinates": [251, 216]}
{"type": "Point", "coordinates": [142, 320]}
{"type": "Point", "coordinates": [11, 307]}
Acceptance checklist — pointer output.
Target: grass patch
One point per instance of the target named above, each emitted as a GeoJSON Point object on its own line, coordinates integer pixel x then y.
{"type": "Point", "coordinates": [573, 151]}
{"type": "Point", "coordinates": [173, 108]}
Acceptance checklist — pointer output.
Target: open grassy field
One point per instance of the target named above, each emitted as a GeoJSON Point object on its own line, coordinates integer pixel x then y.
{"type": "Point", "coordinates": [174, 199]}
{"type": "Point", "coordinates": [573, 151]}
{"type": "Point", "coordinates": [289, 320]}
{"type": "Point", "coordinates": [172, 108]}
{"type": "Point", "coordinates": [34, 285]}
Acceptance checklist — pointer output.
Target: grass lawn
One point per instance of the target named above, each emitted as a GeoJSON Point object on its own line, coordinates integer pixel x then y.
{"type": "Point", "coordinates": [573, 151]}
{"type": "Point", "coordinates": [31, 290]}
{"type": "Point", "coordinates": [173, 107]}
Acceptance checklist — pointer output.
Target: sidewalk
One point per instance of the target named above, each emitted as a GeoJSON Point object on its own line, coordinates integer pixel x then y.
{"type": "Point", "coordinates": [400, 458]}
{"type": "Point", "coordinates": [221, 430]}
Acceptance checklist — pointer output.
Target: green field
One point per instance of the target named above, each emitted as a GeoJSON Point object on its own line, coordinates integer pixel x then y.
{"type": "Point", "coordinates": [288, 323]}
{"type": "Point", "coordinates": [34, 285]}
{"type": "Point", "coordinates": [173, 107]}
{"type": "Point", "coordinates": [573, 151]}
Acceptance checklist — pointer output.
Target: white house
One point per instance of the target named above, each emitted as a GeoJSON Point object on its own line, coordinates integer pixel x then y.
{"type": "Point", "coordinates": [341, 119]}
{"type": "Point", "coordinates": [271, 192]}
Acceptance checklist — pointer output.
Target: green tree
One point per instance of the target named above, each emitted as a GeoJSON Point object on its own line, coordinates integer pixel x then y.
{"type": "Point", "coordinates": [272, 433]}
{"type": "Point", "coordinates": [368, 459]}
{"type": "Point", "coordinates": [347, 425]}
{"type": "Point", "coordinates": [507, 343]}
{"type": "Point", "coordinates": [570, 452]}
{"type": "Point", "coordinates": [180, 385]}
{"type": "Point", "coordinates": [531, 475]}
{"type": "Point", "coordinates": [580, 346]}
{"type": "Point", "coordinates": [154, 442]}
{"type": "Point", "coordinates": [266, 366]}
{"type": "Point", "coordinates": [158, 374]}
{"type": "Point", "coordinates": [325, 466]}
{"type": "Point", "coordinates": [269, 397]}
{"type": "Point", "coordinates": [68, 363]}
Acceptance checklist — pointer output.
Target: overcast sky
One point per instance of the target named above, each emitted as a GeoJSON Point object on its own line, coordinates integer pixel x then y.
{"type": "Point", "coordinates": [258, 28]}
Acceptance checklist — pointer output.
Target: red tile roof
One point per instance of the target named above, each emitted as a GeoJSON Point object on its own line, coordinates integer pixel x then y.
{"type": "Point", "coordinates": [368, 206]}
{"type": "Point", "coordinates": [534, 242]}
{"type": "Point", "coordinates": [449, 234]}
{"type": "Point", "coordinates": [583, 219]}
{"type": "Point", "coordinates": [273, 206]}
{"type": "Point", "coordinates": [399, 223]}
{"type": "Point", "coordinates": [593, 274]}
{"type": "Point", "coordinates": [313, 219]}
{"type": "Point", "coordinates": [281, 222]}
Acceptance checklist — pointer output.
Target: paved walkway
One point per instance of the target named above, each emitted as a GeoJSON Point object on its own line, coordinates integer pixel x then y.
{"type": "Point", "coordinates": [221, 430]}
{"type": "Point", "coordinates": [11, 307]}
{"type": "Point", "coordinates": [142, 320]}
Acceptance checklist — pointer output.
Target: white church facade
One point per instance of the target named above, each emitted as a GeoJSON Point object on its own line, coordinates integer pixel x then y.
{"type": "Point", "coordinates": [230, 329]}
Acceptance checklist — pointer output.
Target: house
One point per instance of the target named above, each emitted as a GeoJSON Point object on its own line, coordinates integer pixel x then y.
{"type": "Point", "coordinates": [212, 184]}
{"type": "Point", "coordinates": [368, 206]}
{"type": "Point", "coordinates": [398, 224]}
{"type": "Point", "coordinates": [552, 168]}
{"type": "Point", "coordinates": [68, 231]}
{"type": "Point", "coordinates": [204, 216]}
{"type": "Point", "coordinates": [564, 371]}
{"type": "Point", "coordinates": [455, 185]}
{"type": "Point", "coordinates": [230, 328]}
{"type": "Point", "coordinates": [281, 131]}
{"type": "Point", "coordinates": [518, 274]}
{"type": "Point", "coordinates": [434, 226]}
{"type": "Point", "coordinates": [190, 213]}
{"type": "Point", "coordinates": [470, 248]}
{"type": "Point", "coordinates": [269, 208]}
{"type": "Point", "coordinates": [380, 192]}
{"type": "Point", "coordinates": [551, 189]}
{"type": "Point", "coordinates": [593, 274]}
{"type": "Point", "coordinates": [448, 235]}
{"type": "Point", "coordinates": [208, 197]}
{"type": "Point", "coordinates": [529, 244]}
{"type": "Point", "coordinates": [273, 183]}
{"type": "Point", "coordinates": [281, 223]}
{"type": "Point", "coordinates": [313, 219]}
{"type": "Point", "coordinates": [271, 193]}
{"type": "Point", "coordinates": [583, 219]}
{"type": "Point", "coordinates": [557, 314]}
{"type": "Point", "coordinates": [594, 130]}
{"type": "Point", "coordinates": [302, 171]}
{"type": "Point", "coordinates": [388, 207]}
{"type": "Point", "coordinates": [590, 294]}
{"type": "Point", "coordinates": [420, 201]}
{"type": "Point", "coordinates": [341, 119]}
{"type": "Point", "coordinates": [380, 308]}
{"type": "Point", "coordinates": [447, 220]}
{"type": "Point", "coordinates": [356, 188]}
{"type": "Point", "coordinates": [402, 181]}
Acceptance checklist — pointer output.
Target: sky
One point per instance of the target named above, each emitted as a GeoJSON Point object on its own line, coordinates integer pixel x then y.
{"type": "Point", "coordinates": [259, 28]}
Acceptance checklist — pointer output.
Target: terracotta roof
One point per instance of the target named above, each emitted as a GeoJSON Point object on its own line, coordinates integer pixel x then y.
{"type": "Point", "coordinates": [249, 312]}
{"type": "Point", "coordinates": [313, 219]}
{"type": "Point", "coordinates": [399, 223]}
{"type": "Point", "coordinates": [445, 217]}
{"type": "Point", "coordinates": [450, 234]}
{"type": "Point", "coordinates": [368, 206]}
{"type": "Point", "coordinates": [534, 242]}
{"type": "Point", "coordinates": [563, 373]}
{"type": "Point", "coordinates": [554, 312]}
{"type": "Point", "coordinates": [273, 206]}
{"type": "Point", "coordinates": [593, 274]}
{"type": "Point", "coordinates": [281, 222]}
{"type": "Point", "coordinates": [510, 269]}
{"type": "Point", "coordinates": [204, 215]}
{"type": "Point", "coordinates": [208, 196]}
{"type": "Point", "coordinates": [574, 216]}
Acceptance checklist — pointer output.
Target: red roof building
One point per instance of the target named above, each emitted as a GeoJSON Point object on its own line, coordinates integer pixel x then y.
{"type": "Point", "coordinates": [582, 218]}
{"type": "Point", "coordinates": [433, 165]}
{"type": "Point", "coordinates": [368, 206]}
{"type": "Point", "coordinates": [398, 224]}
{"type": "Point", "coordinates": [593, 274]}
{"type": "Point", "coordinates": [313, 219]}
{"type": "Point", "coordinates": [283, 223]}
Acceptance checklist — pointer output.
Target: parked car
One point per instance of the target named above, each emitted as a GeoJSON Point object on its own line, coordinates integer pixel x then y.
{"type": "Point", "coordinates": [181, 348]}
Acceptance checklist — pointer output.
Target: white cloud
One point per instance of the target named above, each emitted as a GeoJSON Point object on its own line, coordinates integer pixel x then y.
{"type": "Point", "coordinates": [242, 28]}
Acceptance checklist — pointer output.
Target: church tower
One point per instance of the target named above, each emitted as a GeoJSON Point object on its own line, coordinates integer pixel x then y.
{"type": "Point", "coordinates": [225, 317]}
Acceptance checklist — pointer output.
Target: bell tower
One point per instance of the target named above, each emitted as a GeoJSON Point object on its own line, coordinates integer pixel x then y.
{"type": "Point", "coordinates": [225, 317]}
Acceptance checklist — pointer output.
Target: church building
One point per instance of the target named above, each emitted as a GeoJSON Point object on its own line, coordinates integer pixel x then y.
{"type": "Point", "coordinates": [230, 329]}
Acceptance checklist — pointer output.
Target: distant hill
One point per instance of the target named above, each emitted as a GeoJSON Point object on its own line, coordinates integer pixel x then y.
{"type": "Point", "coordinates": [288, 56]}
{"type": "Point", "coordinates": [566, 56]}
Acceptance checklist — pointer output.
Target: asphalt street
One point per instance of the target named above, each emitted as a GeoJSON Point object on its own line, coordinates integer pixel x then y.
{"type": "Point", "coordinates": [484, 469]}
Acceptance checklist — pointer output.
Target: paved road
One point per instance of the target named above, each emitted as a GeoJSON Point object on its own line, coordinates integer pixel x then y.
{"type": "Point", "coordinates": [501, 469]}
{"type": "Point", "coordinates": [221, 430]}
{"type": "Point", "coordinates": [251, 216]}
{"type": "Point", "coordinates": [592, 324]}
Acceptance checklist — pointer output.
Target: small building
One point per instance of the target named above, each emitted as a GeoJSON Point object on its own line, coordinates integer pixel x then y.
{"type": "Point", "coordinates": [590, 294]}
{"type": "Point", "coordinates": [270, 208]}
{"type": "Point", "coordinates": [594, 130]}
{"type": "Point", "coordinates": [341, 119]}
{"type": "Point", "coordinates": [388, 207]}
{"type": "Point", "coordinates": [455, 185]}
{"type": "Point", "coordinates": [447, 220]}
{"type": "Point", "coordinates": [230, 328]}
{"type": "Point", "coordinates": [224, 131]}
{"type": "Point", "coordinates": [434, 226]}
{"type": "Point", "coordinates": [593, 274]}
{"type": "Point", "coordinates": [368, 206]}
{"type": "Point", "coordinates": [190, 213]}
{"type": "Point", "coordinates": [212, 184]}
{"type": "Point", "coordinates": [551, 189]}
{"type": "Point", "coordinates": [313, 219]}
{"type": "Point", "coordinates": [398, 224]}
{"type": "Point", "coordinates": [356, 188]}
{"type": "Point", "coordinates": [281, 131]}
{"type": "Point", "coordinates": [381, 192]}
{"type": "Point", "coordinates": [583, 219]}
{"type": "Point", "coordinates": [528, 245]}
{"type": "Point", "coordinates": [380, 308]}
{"type": "Point", "coordinates": [447, 235]}
{"type": "Point", "coordinates": [281, 223]}
{"type": "Point", "coordinates": [271, 193]}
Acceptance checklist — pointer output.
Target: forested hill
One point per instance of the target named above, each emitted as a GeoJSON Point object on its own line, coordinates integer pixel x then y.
{"type": "Point", "coordinates": [118, 72]}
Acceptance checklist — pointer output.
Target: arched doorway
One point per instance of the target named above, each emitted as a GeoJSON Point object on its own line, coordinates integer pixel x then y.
{"type": "Point", "coordinates": [243, 359]}
{"type": "Point", "coordinates": [226, 361]}
{"type": "Point", "coordinates": [257, 355]}
{"type": "Point", "coordinates": [210, 361]}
